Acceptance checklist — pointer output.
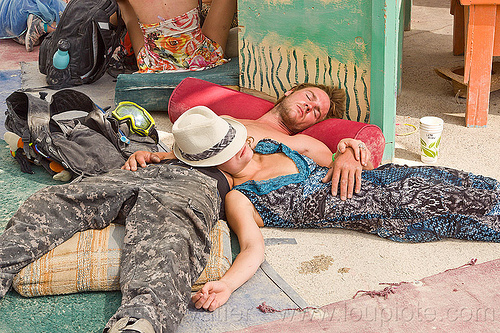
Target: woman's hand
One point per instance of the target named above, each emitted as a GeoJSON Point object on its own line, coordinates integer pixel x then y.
{"type": "Point", "coordinates": [241, 216]}
{"type": "Point", "coordinates": [212, 295]}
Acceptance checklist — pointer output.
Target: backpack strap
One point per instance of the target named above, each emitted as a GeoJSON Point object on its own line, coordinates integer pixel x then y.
{"type": "Point", "coordinates": [38, 119]}
{"type": "Point", "coordinates": [26, 138]}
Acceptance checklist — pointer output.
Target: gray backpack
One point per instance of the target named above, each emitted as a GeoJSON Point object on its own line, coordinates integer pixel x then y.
{"type": "Point", "coordinates": [73, 131]}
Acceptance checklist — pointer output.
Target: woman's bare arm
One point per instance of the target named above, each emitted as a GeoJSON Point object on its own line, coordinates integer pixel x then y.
{"type": "Point", "coordinates": [242, 217]}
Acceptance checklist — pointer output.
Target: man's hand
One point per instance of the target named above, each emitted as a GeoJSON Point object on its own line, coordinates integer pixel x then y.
{"type": "Point", "coordinates": [143, 158]}
{"type": "Point", "coordinates": [350, 159]}
{"type": "Point", "coordinates": [361, 152]}
{"type": "Point", "coordinates": [347, 170]}
{"type": "Point", "coordinates": [212, 295]}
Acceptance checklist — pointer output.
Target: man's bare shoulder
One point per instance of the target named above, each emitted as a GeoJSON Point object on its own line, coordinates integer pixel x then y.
{"type": "Point", "coordinates": [302, 143]}
{"type": "Point", "coordinates": [260, 130]}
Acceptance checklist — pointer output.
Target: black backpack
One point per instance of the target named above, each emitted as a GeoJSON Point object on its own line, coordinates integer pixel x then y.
{"type": "Point", "coordinates": [92, 40]}
{"type": "Point", "coordinates": [72, 131]}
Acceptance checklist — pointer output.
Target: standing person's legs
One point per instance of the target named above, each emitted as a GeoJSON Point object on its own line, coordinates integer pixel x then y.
{"type": "Point", "coordinates": [131, 22]}
{"type": "Point", "coordinates": [165, 250]}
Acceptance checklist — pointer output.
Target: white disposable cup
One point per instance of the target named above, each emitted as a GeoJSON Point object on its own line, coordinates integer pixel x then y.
{"type": "Point", "coordinates": [430, 138]}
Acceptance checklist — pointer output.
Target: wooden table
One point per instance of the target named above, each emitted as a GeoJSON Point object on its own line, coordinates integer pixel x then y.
{"type": "Point", "coordinates": [483, 42]}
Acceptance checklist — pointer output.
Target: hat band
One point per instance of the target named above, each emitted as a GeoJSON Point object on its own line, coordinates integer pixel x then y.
{"type": "Point", "coordinates": [214, 150]}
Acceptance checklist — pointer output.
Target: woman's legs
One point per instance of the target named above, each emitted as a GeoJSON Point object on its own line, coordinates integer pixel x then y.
{"type": "Point", "coordinates": [218, 21]}
{"type": "Point", "coordinates": [421, 204]}
{"type": "Point", "coordinates": [131, 22]}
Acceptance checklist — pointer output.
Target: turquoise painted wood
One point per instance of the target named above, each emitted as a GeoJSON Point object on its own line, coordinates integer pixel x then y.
{"type": "Point", "coordinates": [286, 42]}
{"type": "Point", "coordinates": [152, 90]}
{"type": "Point", "coordinates": [407, 13]}
{"type": "Point", "coordinates": [350, 44]}
{"type": "Point", "coordinates": [385, 63]}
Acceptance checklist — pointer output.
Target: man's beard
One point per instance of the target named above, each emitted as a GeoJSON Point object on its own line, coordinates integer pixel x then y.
{"type": "Point", "coordinates": [283, 109]}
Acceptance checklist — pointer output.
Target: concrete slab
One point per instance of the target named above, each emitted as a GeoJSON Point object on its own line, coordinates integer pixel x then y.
{"type": "Point", "coordinates": [102, 91]}
{"type": "Point", "coordinates": [13, 53]}
{"type": "Point", "coordinates": [11, 81]}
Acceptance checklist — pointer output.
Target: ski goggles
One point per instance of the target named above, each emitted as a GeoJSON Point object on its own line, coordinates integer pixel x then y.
{"type": "Point", "coordinates": [137, 118]}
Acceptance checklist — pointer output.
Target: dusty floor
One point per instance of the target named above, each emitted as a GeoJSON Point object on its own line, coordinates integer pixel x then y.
{"type": "Point", "coordinates": [352, 261]}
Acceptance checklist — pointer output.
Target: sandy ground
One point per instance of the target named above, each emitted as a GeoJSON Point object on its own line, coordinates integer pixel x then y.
{"type": "Point", "coordinates": [326, 266]}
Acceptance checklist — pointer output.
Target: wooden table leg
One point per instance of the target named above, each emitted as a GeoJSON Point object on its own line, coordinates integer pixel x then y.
{"type": "Point", "coordinates": [457, 10]}
{"type": "Point", "coordinates": [478, 58]}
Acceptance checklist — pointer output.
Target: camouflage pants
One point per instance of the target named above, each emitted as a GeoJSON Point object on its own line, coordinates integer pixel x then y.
{"type": "Point", "coordinates": [167, 212]}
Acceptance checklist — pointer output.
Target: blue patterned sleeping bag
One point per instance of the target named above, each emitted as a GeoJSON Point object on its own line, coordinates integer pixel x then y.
{"type": "Point", "coordinates": [14, 14]}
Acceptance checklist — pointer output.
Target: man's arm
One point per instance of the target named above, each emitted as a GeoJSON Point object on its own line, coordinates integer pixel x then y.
{"type": "Point", "coordinates": [345, 171]}
{"type": "Point", "coordinates": [241, 216]}
{"type": "Point", "coordinates": [309, 146]}
{"type": "Point", "coordinates": [142, 158]}
{"type": "Point", "coordinates": [321, 154]}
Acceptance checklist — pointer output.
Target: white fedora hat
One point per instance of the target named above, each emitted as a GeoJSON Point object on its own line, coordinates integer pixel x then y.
{"type": "Point", "coordinates": [202, 138]}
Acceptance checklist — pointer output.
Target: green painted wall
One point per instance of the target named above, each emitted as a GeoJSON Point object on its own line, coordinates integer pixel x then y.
{"type": "Point", "coordinates": [284, 42]}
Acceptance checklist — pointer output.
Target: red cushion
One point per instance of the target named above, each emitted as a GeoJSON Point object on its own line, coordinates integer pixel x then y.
{"type": "Point", "coordinates": [225, 101]}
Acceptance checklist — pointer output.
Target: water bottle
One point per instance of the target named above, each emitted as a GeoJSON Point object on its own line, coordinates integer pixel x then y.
{"type": "Point", "coordinates": [58, 75]}
{"type": "Point", "coordinates": [61, 57]}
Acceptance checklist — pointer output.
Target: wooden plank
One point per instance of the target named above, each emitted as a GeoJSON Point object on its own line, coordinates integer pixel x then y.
{"type": "Point", "coordinates": [479, 55]}
{"type": "Point", "coordinates": [403, 20]}
{"type": "Point", "coordinates": [496, 44]}
{"type": "Point", "coordinates": [152, 90]}
{"type": "Point", "coordinates": [285, 287]}
{"type": "Point", "coordinates": [407, 14]}
{"type": "Point", "coordinates": [457, 10]}
{"type": "Point", "coordinates": [384, 56]}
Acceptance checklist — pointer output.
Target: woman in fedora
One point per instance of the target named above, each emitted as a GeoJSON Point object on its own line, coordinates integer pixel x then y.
{"type": "Point", "coordinates": [277, 187]}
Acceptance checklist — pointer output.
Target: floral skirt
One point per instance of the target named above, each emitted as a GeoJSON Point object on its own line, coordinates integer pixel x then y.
{"type": "Point", "coordinates": [178, 44]}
